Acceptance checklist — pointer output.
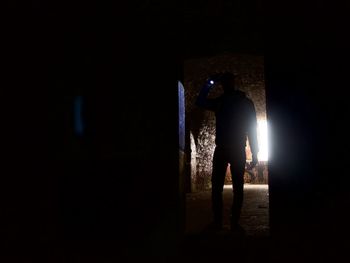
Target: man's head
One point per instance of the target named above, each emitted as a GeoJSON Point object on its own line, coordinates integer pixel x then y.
{"type": "Point", "coordinates": [228, 81]}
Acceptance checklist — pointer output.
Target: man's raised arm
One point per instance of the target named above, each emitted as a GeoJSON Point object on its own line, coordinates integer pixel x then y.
{"type": "Point", "coordinates": [202, 99]}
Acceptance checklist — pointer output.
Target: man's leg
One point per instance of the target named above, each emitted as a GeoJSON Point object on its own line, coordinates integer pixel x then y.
{"type": "Point", "coordinates": [237, 172]}
{"type": "Point", "coordinates": [218, 180]}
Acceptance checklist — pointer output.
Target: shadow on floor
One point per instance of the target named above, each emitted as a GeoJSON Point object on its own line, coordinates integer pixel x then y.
{"type": "Point", "coordinates": [254, 217]}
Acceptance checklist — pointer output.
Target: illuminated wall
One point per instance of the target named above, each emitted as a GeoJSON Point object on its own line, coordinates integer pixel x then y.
{"type": "Point", "coordinates": [201, 124]}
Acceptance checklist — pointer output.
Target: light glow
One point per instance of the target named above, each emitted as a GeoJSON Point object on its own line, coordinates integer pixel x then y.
{"type": "Point", "coordinates": [211, 82]}
{"type": "Point", "coordinates": [263, 140]}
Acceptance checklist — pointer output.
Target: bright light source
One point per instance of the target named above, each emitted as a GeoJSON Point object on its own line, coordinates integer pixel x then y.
{"type": "Point", "coordinates": [262, 140]}
{"type": "Point", "coordinates": [211, 82]}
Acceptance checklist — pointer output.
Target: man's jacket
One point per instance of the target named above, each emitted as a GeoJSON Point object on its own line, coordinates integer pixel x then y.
{"type": "Point", "coordinates": [235, 119]}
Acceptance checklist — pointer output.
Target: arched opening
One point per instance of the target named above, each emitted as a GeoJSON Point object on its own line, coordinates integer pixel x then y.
{"type": "Point", "coordinates": [201, 132]}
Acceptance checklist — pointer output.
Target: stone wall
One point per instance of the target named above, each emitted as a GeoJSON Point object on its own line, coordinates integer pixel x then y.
{"type": "Point", "coordinates": [200, 123]}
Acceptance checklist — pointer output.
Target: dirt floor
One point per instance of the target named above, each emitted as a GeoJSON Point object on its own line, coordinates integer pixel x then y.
{"type": "Point", "coordinates": [203, 246]}
{"type": "Point", "coordinates": [255, 214]}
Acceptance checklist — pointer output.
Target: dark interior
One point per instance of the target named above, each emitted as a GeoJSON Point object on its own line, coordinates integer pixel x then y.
{"type": "Point", "coordinates": [116, 193]}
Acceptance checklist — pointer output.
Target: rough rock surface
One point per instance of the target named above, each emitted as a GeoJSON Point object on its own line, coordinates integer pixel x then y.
{"type": "Point", "coordinates": [200, 123]}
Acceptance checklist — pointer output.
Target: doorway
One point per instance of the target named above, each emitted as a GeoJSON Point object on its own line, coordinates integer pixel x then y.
{"type": "Point", "coordinates": [200, 141]}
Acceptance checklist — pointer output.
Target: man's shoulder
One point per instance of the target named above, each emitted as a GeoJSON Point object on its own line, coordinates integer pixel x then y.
{"type": "Point", "coordinates": [248, 102]}
{"type": "Point", "coordinates": [243, 96]}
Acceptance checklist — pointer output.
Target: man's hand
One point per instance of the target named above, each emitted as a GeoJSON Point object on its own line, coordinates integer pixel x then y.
{"type": "Point", "coordinates": [254, 162]}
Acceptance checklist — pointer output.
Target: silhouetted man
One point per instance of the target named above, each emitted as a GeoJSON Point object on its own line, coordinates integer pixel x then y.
{"type": "Point", "coordinates": [235, 120]}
